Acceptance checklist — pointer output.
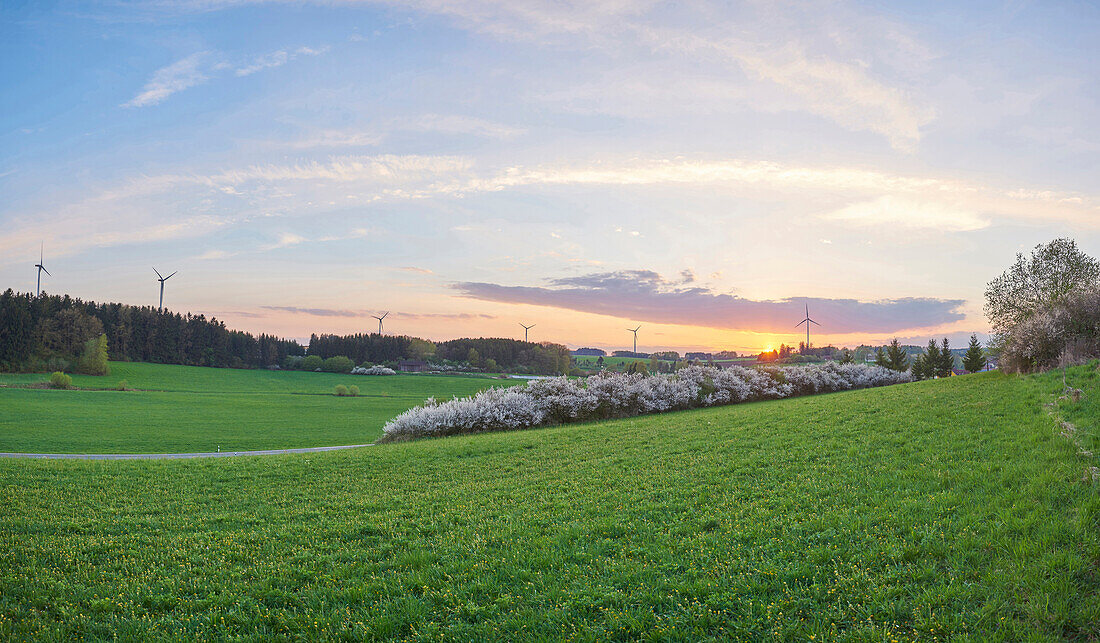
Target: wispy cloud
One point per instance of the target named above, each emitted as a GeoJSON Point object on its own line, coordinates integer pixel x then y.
{"type": "Point", "coordinates": [201, 66]}
{"type": "Point", "coordinates": [338, 312]}
{"type": "Point", "coordinates": [277, 59]}
{"type": "Point", "coordinates": [644, 295]}
{"type": "Point", "coordinates": [180, 75]}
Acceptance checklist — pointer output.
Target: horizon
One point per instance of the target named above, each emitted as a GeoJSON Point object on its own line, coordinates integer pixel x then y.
{"type": "Point", "coordinates": [703, 172]}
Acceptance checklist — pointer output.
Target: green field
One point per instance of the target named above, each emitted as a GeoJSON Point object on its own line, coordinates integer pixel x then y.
{"type": "Point", "coordinates": [187, 408]}
{"type": "Point", "coordinates": [942, 510]}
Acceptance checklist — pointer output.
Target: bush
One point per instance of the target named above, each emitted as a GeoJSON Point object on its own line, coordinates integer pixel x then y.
{"type": "Point", "coordinates": [353, 390]}
{"type": "Point", "coordinates": [373, 370]}
{"type": "Point", "coordinates": [338, 364]}
{"type": "Point", "coordinates": [60, 380]}
{"type": "Point", "coordinates": [293, 362]}
{"type": "Point", "coordinates": [312, 363]}
{"type": "Point", "coordinates": [1066, 332]}
{"type": "Point", "coordinates": [122, 385]}
{"type": "Point", "coordinates": [341, 390]}
{"type": "Point", "coordinates": [560, 400]}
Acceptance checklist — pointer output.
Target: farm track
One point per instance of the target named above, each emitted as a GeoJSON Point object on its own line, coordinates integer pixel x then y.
{"type": "Point", "coordinates": [174, 456]}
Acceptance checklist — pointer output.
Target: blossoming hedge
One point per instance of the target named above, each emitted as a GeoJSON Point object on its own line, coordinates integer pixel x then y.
{"type": "Point", "coordinates": [614, 395]}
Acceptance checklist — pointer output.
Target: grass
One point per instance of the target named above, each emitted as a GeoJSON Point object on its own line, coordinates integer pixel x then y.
{"type": "Point", "coordinates": [945, 509]}
{"type": "Point", "coordinates": [185, 408]}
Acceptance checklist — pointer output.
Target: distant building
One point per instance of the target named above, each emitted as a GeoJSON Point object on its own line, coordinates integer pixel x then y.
{"type": "Point", "coordinates": [412, 365]}
{"type": "Point", "coordinates": [594, 352]}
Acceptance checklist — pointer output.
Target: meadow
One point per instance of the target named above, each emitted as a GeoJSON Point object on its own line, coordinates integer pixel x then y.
{"type": "Point", "coordinates": [940, 510]}
{"type": "Point", "coordinates": [188, 408]}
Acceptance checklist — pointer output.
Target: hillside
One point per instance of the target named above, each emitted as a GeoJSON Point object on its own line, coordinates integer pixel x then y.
{"type": "Point", "coordinates": [946, 509]}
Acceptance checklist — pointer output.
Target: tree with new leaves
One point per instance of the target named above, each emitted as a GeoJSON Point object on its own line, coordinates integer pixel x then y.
{"type": "Point", "coordinates": [1031, 285]}
{"type": "Point", "coordinates": [93, 360]}
{"type": "Point", "coordinates": [896, 359]}
{"type": "Point", "coordinates": [974, 359]}
{"type": "Point", "coordinates": [846, 357]}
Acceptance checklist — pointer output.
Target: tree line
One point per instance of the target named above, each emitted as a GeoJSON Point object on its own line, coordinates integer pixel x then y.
{"type": "Point", "coordinates": [49, 333]}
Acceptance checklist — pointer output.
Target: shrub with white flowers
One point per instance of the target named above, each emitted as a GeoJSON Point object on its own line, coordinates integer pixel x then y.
{"type": "Point", "coordinates": [561, 400]}
{"type": "Point", "coordinates": [373, 370]}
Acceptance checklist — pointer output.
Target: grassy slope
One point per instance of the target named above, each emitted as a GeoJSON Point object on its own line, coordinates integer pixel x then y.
{"type": "Point", "coordinates": [943, 509]}
{"type": "Point", "coordinates": [184, 408]}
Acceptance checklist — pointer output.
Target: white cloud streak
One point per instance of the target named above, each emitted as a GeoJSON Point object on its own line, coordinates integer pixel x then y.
{"type": "Point", "coordinates": [178, 76]}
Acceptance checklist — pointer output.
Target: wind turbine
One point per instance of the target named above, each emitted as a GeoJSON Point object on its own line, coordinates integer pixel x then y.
{"type": "Point", "coordinates": [525, 329]}
{"type": "Point", "coordinates": [635, 331]}
{"type": "Point", "coordinates": [161, 278]}
{"type": "Point", "coordinates": [380, 320]}
{"type": "Point", "coordinates": [807, 321]}
{"type": "Point", "coordinates": [41, 269]}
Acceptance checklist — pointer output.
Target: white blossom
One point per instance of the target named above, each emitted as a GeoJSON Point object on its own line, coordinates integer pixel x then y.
{"type": "Point", "coordinates": [561, 400]}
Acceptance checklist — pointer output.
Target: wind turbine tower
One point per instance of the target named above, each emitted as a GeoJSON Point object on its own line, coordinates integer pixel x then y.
{"type": "Point", "coordinates": [807, 321]}
{"type": "Point", "coordinates": [162, 279]}
{"type": "Point", "coordinates": [525, 329]}
{"type": "Point", "coordinates": [41, 269]}
{"type": "Point", "coordinates": [380, 320]}
{"type": "Point", "coordinates": [635, 331]}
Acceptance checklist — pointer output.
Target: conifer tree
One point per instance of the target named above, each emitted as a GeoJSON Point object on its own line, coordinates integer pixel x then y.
{"type": "Point", "coordinates": [880, 357]}
{"type": "Point", "coordinates": [931, 358]}
{"type": "Point", "coordinates": [947, 360]}
{"type": "Point", "coordinates": [974, 359]}
{"type": "Point", "coordinates": [896, 359]}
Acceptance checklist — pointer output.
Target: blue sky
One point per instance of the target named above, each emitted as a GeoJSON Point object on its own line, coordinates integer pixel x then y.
{"type": "Point", "coordinates": [702, 169]}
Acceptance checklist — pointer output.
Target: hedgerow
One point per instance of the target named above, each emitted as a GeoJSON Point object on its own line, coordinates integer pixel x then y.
{"type": "Point", "coordinates": [562, 400]}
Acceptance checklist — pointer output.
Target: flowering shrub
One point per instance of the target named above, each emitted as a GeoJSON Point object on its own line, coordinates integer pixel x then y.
{"type": "Point", "coordinates": [561, 400]}
{"type": "Point", "coordinates": [373, 370]}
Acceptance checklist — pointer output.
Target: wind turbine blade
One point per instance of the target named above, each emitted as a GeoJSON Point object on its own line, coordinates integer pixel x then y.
{"type": "Point", "coordinates": [170, 276]}
{"type": "Point", "coordinates": [158, 273]}
{"type": "Point", "coordinates": [46, 271]}
{"type": "Point", "coordinates": [813, 322]}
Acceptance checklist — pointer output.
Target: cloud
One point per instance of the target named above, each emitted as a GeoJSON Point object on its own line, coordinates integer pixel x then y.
{"type": "Point", "coordinates": [317, 312]}
{"type": "Point", "coordinates": [908, 213]}
{"type": "Point", "coordinates": [168, 80]}
{"type": "Point", "coordinates": [644, 295]}
{"type": "Point", "coordinates": [421, 271]}
{"type": "Point", "coordinates": [197, 69]}
{"type": "Point", "coordinates": [849, 196]}
{"type": "Point", "coordinates": [336, 312]}
{"type": "Point", "coordinates": [277, 59]}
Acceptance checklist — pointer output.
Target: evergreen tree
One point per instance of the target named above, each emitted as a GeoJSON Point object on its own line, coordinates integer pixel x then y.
{"type": "Point", "coordinates": [947, 361]}
{"type": "Point", "coordinates": [880, 358]}
{"type": "Point", "coordinates": [974, 359]}
{"type": "Point", "coordinates": [846, 357]}
{"type": "Point", "coordinates": [921, 370]}
{"type": "Point", "coordinates": [931, 359]}
{"type": "Point", "coordinates": [896, 359]}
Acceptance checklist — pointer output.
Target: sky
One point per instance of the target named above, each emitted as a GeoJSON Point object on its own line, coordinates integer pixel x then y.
{"type": "Point", "coordinates": [706, 170]}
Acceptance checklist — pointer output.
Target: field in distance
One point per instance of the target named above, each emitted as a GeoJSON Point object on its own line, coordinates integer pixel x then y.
{"type": "Point", "coordinates": [941, 510]}
{"type": "Point", "coordinates": [189, 408]}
